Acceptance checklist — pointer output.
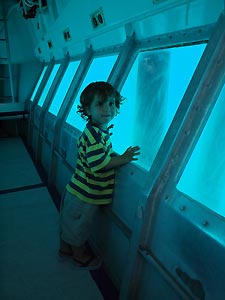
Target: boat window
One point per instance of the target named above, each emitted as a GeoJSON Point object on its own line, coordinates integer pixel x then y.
{"type": "Point", "coordinates": [153, 90]}
{"type": "Point", "coordinates": [48, 85]}
{"type": "Point", "coordinates": [98, 71]}
{"type": "Point", "coordinates": [204, 176]}
{"type": "Point", "coordinates": [38, 83]}
{"type": "Point", "coordinates": [63, 87]}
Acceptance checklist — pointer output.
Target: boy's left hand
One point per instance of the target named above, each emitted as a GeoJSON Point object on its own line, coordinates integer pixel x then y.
{"type": "Point", "coordinates": [131, 153]}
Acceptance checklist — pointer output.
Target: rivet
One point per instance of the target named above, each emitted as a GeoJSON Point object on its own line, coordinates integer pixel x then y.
{"type": "Point", "coordinates": [205, 223]}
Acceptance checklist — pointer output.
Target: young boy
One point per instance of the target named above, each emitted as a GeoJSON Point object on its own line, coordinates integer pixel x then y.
{"type": "Point", "coordinates": [92, 183]}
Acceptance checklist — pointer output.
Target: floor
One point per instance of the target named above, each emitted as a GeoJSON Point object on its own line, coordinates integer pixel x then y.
{"type": "Point", "coordinates": [29, 264]}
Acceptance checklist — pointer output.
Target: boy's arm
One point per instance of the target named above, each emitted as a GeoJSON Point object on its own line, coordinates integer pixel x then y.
{"type": "Point", "coordinates": [119, 160]}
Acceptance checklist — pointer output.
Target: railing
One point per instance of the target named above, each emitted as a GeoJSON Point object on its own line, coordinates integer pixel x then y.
{"type": "Point", "coordinates": [12, 111]}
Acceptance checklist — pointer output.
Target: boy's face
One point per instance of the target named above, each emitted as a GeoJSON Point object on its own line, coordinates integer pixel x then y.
{"type": "Point", "coordinates": [102, 112]}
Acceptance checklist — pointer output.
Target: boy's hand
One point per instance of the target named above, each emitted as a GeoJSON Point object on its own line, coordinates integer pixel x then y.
{"type": "Point", "coordinates": [119, 160]}
{"type": "Point", "coordinates": [130, 154]}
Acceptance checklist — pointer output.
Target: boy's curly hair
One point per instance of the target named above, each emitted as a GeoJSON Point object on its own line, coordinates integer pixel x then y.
{"type": "Point", "coordinates": [103, 90]}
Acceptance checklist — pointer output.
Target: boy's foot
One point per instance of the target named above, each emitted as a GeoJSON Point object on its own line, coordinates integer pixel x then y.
{"type": "Point", "coordinates": [64, 253]}
{"type": "Point", "coordinates": [65, 249]}
{"type": "Point", "coordinates": [91, 263]}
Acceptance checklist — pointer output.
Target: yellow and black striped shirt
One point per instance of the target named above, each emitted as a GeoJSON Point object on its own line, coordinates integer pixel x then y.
{"type": "Point", "coordinates": [90, 182]}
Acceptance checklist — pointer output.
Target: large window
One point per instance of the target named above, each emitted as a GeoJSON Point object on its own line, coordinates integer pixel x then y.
{"type": "Point", "coordinates": [63, 87]}
{"type": "Point", "coordinates": [38, 83]}
{"type": "Point", "coordinates": [154, 90]}
{"type": "Point", "coordinates": [98, 71]}
{"type": "Point", "coordinates": [204, 176]}
{"type": "Point", "coordinates": [48, 85]}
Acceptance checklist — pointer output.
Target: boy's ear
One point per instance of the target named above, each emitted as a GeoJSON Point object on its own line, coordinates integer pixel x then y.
{"type": "Point", "coordinates": [87, 110]}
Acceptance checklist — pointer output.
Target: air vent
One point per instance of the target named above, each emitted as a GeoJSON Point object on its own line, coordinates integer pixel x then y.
{"type": "Point", "coordinates": [97, 19]}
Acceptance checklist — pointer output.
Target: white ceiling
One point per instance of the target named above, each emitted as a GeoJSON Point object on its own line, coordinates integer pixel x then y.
{"type": "Point", "coordinates": [29, 37]}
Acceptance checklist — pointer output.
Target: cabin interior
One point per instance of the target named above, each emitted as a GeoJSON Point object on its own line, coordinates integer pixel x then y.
{"type": "Point", "coordinates": [163, 237]}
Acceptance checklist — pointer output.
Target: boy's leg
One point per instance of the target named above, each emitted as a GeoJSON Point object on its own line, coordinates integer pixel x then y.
{"type": "Point", "coordinates": [82, 252]}
{"type": "Point", "coordinates": [85, 258]}
{"type": "Point", "coordinates": [65, 248]}
{"type": "Point", "coordinates": [75, 227]}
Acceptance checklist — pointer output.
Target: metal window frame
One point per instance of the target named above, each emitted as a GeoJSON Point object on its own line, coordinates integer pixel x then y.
{"type": "Point", "coordinates": [178, 144]}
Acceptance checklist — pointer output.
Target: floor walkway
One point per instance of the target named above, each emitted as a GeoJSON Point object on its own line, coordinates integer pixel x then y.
{"type": "Point", "coordinates": [29, 265]}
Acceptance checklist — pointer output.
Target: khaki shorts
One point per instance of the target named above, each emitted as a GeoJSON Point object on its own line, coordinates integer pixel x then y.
{"type": "Point", "coordinates": [76, 217]}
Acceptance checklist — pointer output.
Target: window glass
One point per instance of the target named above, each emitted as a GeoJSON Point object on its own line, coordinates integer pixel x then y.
{"type": "Point", "coordinates": [38, 83]}
{"type": "Point", "coordinates": [63, 87]}
{"type": "Point", "coordinates": [48, 85]}
{"type": "Point", "coordinates": [98, 71]}
{"type": "Point", "coordinates": [204, 176]}
{"type": "Point", "coordinates": [153, 91]}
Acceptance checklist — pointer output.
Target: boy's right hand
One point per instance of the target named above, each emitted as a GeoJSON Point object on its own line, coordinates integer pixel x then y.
{"type": "Point", "coordinates": [130, 154]}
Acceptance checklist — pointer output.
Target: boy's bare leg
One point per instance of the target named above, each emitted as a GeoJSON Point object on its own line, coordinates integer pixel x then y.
{"type": "Point", "coordinates": [81, 253]}
{"type": "Point", "coordinates": [82, 256]}
{"type": "Point", "coordinates": [65, 248]}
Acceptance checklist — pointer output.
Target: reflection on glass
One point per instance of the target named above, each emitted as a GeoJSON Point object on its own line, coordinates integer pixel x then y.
{"type": "Point", "coordinates": [48, 85]}
{"type": "Point", "coordinates": [38, 83]}
{"type": "Point", "coordinates": [204, 176]}
{"type": "Point", "coordinates": [98, 71]}
{"type": "Point", "coordinates": [63, 87]}
{"type": "Point", "coordinates": [154, 90]}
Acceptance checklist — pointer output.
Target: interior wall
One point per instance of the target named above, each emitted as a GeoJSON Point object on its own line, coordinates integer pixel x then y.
{"type": "Point", "coordinates": [20, 38]}
{"type": "Point", "coordinates": [29, 38]}
{"type": "Point", "coordinates": [28, 76]}
{"type": "Point", "coordinates": [5, 86]}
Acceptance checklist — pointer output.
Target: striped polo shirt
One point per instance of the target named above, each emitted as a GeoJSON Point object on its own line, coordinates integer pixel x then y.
{"type": "Point", "coordinates": [90, 182]}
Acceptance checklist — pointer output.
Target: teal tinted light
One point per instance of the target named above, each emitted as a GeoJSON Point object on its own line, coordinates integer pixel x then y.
{"type": "Point", "coordinates": [48, 85]}
{"type": "Point", "coordinates": [38, 83]}
{"type": "Point", "coordinates": [98, 71]}
{"type": "Point", "coordinates": [204, 176]}
{"type": "Point", "coordinates": [154, 90]}
{"type": "Point", "coordinates": [63, 87]}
